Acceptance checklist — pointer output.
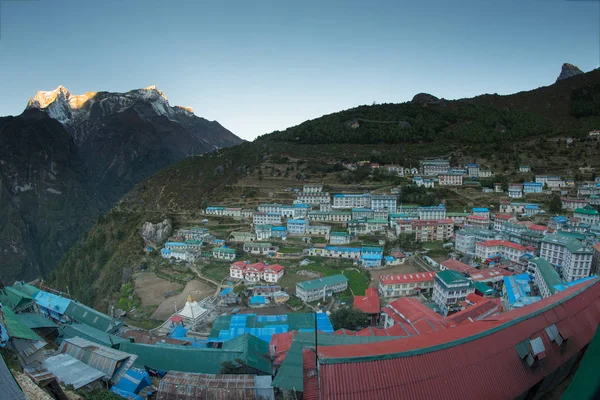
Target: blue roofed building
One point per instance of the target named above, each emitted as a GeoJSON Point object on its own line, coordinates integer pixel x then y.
{"type": "Point", "coordinates": [52, 306]}
{"type": "Point", "coordinates": [481, 212]}
{"type": "Point", "coordinates": [362, 213]}
{"type": "Point", "coordinates": [432, 212]}
{"type": "Point", "coordinates": [558, 222]}
{"type": "Point", "coordinates": [533, 187]}
{"type": "Point", "coordinates": [516, 292]}
{"type": "Point", "coordinates": [278, 231]}
{"type": "Point", "coordinates": [297, 226]}
{"type": "Point", "coordinates": [371, 260]}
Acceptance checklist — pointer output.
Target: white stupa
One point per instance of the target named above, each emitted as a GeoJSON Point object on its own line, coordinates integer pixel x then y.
{"type": "Point", "coordinates": [192, 312]}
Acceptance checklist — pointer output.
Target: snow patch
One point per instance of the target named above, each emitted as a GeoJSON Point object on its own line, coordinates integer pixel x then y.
{"type": "Point", "coordinates": [53, 191]}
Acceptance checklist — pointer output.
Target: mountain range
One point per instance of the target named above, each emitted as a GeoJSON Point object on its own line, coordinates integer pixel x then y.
{"type": "Point", "coordinates": [68, 158]}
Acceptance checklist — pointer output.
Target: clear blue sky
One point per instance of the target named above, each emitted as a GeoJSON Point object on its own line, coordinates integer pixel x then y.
{"type": "Point", "coordinates": [258, 66]}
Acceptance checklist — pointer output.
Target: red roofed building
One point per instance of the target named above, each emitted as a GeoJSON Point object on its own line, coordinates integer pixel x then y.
{"type": "Point", "coordinates": [489, 275]}
{"type": "Point", "coordinates": [369, 304]}
{"type": "Point", "coordinates": [596, 259]}
{"type": "Point", "coordinates": [501, 219]}
{"type": "Point", "coordinates": [279, 345]}
{"type": "Point", "coordinates": [256, 272]}
{"type": "Point", "coordinates": [508, 250]}
{"type": "Point", "coordinates": [538, 228]}
{"type": "Point", "coordinates": [414, 317]}
{"type": "Point", "coordinates": [481, 309]}
{"type": "Point", "coordinates": [456, 265]}
{"type": "Point", "coordinates": [477, 221]}
{"type": "Point", "coordinates": [522, 353]}
{"type": "Point", "coordinates": [405, 284]}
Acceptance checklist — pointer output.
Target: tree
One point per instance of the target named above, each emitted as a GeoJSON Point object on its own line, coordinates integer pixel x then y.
{"type": "Point", "coordinates": [555, 205]}
{"type": "Point", "coordinates": [349, 318]}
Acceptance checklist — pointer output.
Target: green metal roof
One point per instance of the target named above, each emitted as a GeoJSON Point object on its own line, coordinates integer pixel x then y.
{"type": "Point", "coordinates": [377, 221]}
{"type": "Point", "coordinates": [255, 351]}
{"type": "Point", "coordinates": [572, 244]}
{"type": "Point", "coordinates": [204, 361]}
{"type": "Point", "coordinates": [90, 333]}
{"type": "Point", "coordinates": [35, 320]}
{"type": "Point", "coordinates": [87, 315]}
{"type": "Point", "coordinates": [338, 234]}
{"type": "Point", "coordinates": [223, 250]}
{"type": "Point", "coordinates": [321, 282]}
{"type": "Point", "coordinates": [289, 375]}
{"type": "Point", "coordinates": [258, 244]}
{"type": "Point", "coordinates": [586, 382]}
{"type": "Point", "coordinates": [586, 211]}
{"type": "Point", "coordinates": [574, 235]}
{"type": "Point", "coordinates": [15, 299]}
{"type": "Point", "coordinates": [452, 277]}
{"type": "Point", "coordinates": [483, 288]}
{"type": "Point", "coordinates": [16, 328]}
{"type": "Point", "coordinates": [26, 288]}
{"type": "Point", "coordinates": [548, 272]}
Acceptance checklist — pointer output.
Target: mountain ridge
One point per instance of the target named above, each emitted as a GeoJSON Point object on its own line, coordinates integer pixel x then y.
{"type": "Point", "coordinates": [115, 140]}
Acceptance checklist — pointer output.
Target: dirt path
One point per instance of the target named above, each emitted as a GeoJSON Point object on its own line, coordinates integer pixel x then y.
{"type": "Point", "coordinates": [199, 290]}
{"type": "Point", "coordinates": [151, 289]}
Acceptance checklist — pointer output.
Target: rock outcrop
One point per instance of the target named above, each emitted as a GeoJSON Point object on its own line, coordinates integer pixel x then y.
{"type": "Point", "coordinates": [156, 233]}
{"type": "Point", "coordinates": [567, 71]}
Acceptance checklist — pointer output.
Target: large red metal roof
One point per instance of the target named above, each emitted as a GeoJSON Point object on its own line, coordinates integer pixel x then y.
{"type": "Point", "coordinates": [369, 303]}
{"type": "Point", "coordinates": [471, 361]}
{"type": "Point", "coordinates": [456, 265]}
{"type": "Point", "coordinates": [407, 278]}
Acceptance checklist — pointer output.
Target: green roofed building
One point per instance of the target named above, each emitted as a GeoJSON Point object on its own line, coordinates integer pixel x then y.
{"type": "Point", "coordinates": [318, 288]}
{"type": "Point", "coordinates": [255, 352]}
{"type": "Point", "coordinates": [17, 300]}
{"type": "Point", "coordinates": [223, 253]}
{"type": "Point", "coordinates": [204, 361]}
{"type": "Point", "coordinates": [22, 340]}
{"type": "Point", "coordinates": [546, 276]}
{"type": "Point", "coordinates": [36, 321]}
{"type": "Point", "coordinates": [87, 315]}
{"type": "Point", "coordinates": [90, 333]}
{"type": "Point", "coordinates": [586, 382]}
{"type": "Point", "coordinates": [587, 215]}
{"type": "Point", "coordinates": [26, 288]}
{"type": "Point", "coordinates": [451, 288]}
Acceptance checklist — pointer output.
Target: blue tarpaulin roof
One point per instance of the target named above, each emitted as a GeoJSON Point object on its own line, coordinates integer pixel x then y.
{"type": "Point", "coordinates": [225, 292]}
{"type": "Point", "coordinates": [52, 302]}
{"type": "Point", "coordinates": [134, 380]}
{"type": "Point", "coordinates": [256, 300]}
{"type": "Point", "coordinates": [178, 332]}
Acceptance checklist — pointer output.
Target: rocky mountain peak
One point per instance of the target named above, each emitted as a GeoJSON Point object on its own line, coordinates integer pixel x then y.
{"type": "Point", "coordinates": [567, 71]}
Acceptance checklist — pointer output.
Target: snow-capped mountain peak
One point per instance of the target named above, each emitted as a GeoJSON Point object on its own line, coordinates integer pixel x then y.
{"type": "Point", "coordinates": [71, 109]}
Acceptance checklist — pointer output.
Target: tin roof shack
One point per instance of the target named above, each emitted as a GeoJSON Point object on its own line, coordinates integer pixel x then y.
{"type": "Point", "coordinates": [71, 371]}
{"type": "Point", "coordinates": [87, 315]}
{"type": "Point", "coordinates": [144, 337]}
{"type": "Point", "coordinates": [187, 386]}
{"type": "Point", "coordinates": [113, 363]}
{"type": "Point", "coordinates": [22, 340]}
{"type": "Point", "coordinates": [45, 380]}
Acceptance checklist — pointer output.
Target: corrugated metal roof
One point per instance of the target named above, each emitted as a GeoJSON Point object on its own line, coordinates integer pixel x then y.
{"type": "Point", "coordinates": [188, 386]}
{"type": "Point", "coordinates": [468, 362]}
{"type": "Point", "coordinates": [52, 302]}
{"type": "Point", "coordinates": [35, 321]}
{"type": "Point", "coordinates": [289, 375]}
{"type": "Point", "coordinates": [255, 351]}
{"type": "Point", "coordinates": [70, 371]}
{"type": "Point", "coordinates": [38, 374]}
{"type": "Point", "coordinates": [15, 299]}
{"type": "Point", "coordinates": [103, 358]}
{"type": "Point", "coordinates": [16, 328]}
{"type": "Point", "coordinates": [182, 359]}
{"type": "Point", "coordinates": [90, 333]}
{"type": "Point", "coordinates": [10, 387]}
{"type": "Point", "coordinates": [586, 383]}
{"type": "Point", "coordinates": [369, 303]}
{"type": "Point", "coordinates": [144, 337]}
{"type": "Point", "coordinates": [87, 315]}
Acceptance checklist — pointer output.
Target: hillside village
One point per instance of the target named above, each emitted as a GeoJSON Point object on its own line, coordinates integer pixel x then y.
{"type": "Point", "coordinates": [279, 272]}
